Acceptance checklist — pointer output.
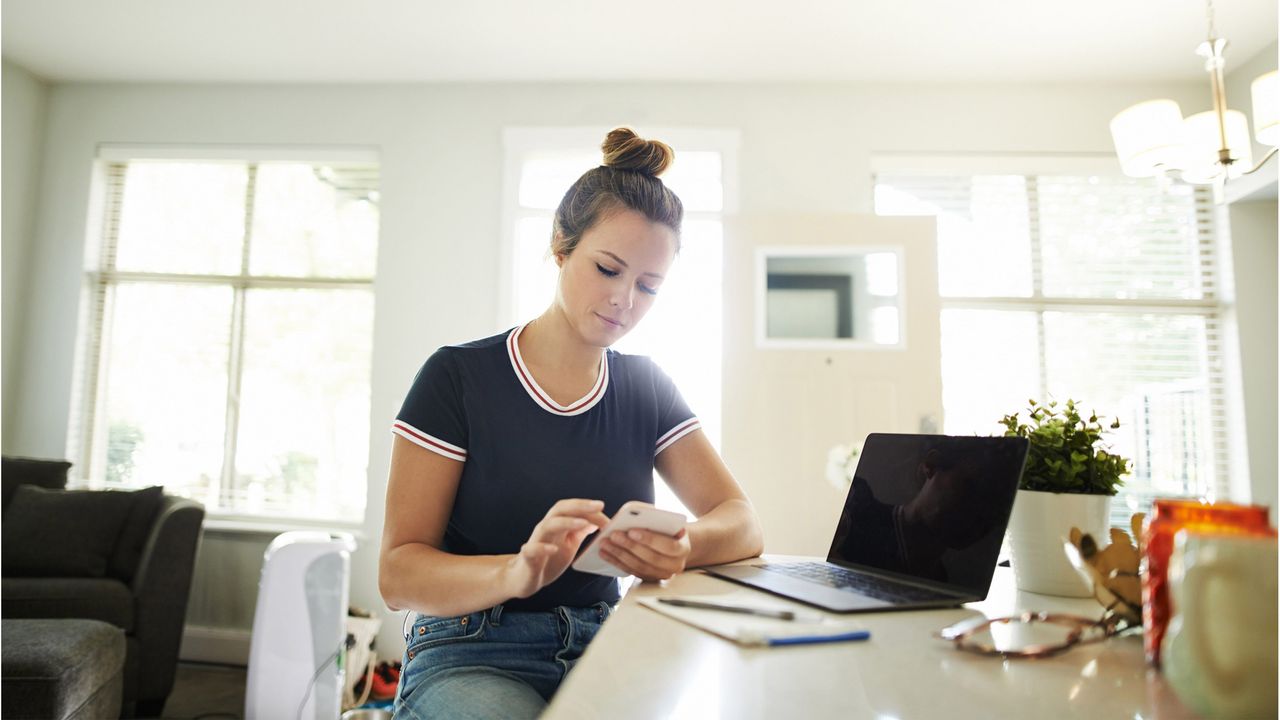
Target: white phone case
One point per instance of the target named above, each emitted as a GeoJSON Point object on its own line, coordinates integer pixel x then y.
{"type": "Point", "coordinates": [634, 514]}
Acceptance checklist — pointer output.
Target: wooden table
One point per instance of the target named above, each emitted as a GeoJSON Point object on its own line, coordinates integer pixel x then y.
{"type": "Point", "coordinates": [646, 665]}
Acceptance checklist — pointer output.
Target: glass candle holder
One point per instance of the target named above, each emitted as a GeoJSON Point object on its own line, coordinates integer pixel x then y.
{"type": "Point", "coordinates": [1166, 519]}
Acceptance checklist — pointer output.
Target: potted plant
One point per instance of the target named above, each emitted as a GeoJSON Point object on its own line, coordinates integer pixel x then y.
{"type": "Point", "coordinates": [1068, 481]}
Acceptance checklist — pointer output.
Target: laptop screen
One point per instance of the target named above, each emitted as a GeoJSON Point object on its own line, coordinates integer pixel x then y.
{"type": "Point", "coordinates": [930, 507]}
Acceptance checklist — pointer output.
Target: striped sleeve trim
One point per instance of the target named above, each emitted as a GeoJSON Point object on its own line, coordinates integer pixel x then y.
{"type": "Point", "coordinates": [434, 444]}
{"type": "Point", "coordinates": [676, 433]}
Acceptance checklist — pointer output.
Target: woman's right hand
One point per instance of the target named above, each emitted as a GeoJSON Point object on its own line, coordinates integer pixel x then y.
{"type": "Point", "coordinates": [553, 545]}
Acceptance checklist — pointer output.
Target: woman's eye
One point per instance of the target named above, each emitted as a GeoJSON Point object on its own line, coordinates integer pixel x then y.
{"type": "Point", "coordinates": [648, 289]}
{"type": "Point", "coordinates": [606, 271]}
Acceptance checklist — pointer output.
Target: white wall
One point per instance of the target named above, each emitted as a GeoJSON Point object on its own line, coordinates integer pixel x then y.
{"type": "Point", "coordinates": [1253, 240]}
{"type": "Point", "coordinates": [24, 101]}
{"type": "Point", "coordinates": [1253, 235]}
{"type": "Point", "coordinates": [805, 148]}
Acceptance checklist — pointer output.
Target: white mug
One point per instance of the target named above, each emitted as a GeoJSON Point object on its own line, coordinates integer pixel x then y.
{"type": "Point", "coordinates": [1219, 653]}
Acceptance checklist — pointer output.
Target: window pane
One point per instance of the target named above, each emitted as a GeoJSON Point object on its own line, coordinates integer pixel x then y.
{"type": "Point", "coordinates": [304, 409]}
{"type": "Point", "coordinates": [989, 368]}
{"type": "Point", "coordinates": [1150, 372]}
{"type": "Point", "coordinates": [1118, 238]}
{"type": "Point", "coordinates": [545, 177]}
{"type": "Point", "coordinates": [695, 178]}
{"type": "Point", "coordinates": [683, 329]}
{"type": "Point", "coordinates": [164, 377]}
{"type": "Point", "coordinates": [535, 272]}
{"type": "Point", "coordinates": [182, 218]}
{"type": "Point", "coordinates": [314, 221]}
{"type": "Point", "coordinates": [984, 246]}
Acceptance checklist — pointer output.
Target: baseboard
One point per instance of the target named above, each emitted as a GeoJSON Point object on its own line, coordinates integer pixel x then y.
{"type": "Point", "coordinates": [227, 646]}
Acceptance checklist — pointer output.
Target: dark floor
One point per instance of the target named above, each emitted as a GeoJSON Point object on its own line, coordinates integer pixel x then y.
{"type": "Point", "coordinates": [204, 691]}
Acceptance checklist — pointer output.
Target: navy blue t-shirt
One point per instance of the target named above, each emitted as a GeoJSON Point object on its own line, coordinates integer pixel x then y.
{"type": "Point", "coordinates": [477, 403]}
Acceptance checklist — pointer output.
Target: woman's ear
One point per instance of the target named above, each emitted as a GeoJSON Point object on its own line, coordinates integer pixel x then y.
{"type": "Point", "coordinates": [557, 240]}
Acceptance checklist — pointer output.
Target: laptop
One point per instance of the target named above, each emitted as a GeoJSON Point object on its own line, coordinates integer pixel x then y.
{"type": "Point", "coordinates": [921, 528]}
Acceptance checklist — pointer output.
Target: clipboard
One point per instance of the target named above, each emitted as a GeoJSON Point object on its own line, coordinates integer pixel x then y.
{"type": "Point", "coordinates": [754, 631]}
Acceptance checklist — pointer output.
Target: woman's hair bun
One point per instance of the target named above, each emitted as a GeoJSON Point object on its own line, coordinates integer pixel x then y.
{"type": "Point", "coordinates": [624, 150]}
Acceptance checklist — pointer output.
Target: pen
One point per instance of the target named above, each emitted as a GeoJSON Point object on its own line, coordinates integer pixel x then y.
{"type": "Point", "coordinates": [811, 639]}
{"type": "Point", "coordinates": [761, 612]}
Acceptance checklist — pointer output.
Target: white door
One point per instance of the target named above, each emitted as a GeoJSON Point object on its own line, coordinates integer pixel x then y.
{"type": "Point", "coordinates": [786, 404]}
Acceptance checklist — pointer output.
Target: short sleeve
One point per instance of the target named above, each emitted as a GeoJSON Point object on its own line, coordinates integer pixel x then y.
{"type": "Point", "coordinates": [675, 419]}
{"type": "Point", "coordinates": [432, 416]}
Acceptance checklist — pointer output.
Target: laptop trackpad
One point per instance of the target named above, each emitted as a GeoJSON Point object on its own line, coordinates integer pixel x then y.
{"type": "Point", "coordinates": [797, 589]}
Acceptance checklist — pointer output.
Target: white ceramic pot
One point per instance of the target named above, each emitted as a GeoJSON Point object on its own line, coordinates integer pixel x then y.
{"type": "Point", "coordinates": [1038, 527]}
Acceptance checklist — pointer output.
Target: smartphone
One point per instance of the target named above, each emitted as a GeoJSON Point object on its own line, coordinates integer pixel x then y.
{"type": "Point", "coordinates": [634, 514]}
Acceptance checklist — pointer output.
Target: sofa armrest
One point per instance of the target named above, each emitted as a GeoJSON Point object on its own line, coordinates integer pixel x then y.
{"type": "Point", "coordinates": [161, 588]}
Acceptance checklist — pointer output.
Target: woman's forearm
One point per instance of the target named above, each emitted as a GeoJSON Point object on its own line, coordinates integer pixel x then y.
{"type": "Point", "coordinates": [418, 577]}
{"type": "Point", "coordinates": [731, 531]}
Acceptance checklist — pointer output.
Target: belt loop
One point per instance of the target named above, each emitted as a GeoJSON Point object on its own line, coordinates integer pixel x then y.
{"type": "Point", "coordinates": [495, 615]}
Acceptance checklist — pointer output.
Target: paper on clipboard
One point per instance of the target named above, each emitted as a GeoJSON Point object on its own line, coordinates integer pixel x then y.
{"type": "Point", "coordinates": [752, 630]}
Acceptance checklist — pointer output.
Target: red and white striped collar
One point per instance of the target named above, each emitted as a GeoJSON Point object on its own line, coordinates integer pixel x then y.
{"type": "Point", "coordinates": [540, 396]}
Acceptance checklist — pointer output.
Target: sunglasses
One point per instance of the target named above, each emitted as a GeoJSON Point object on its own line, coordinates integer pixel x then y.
{"type": "Point", "coordinates": [1032, 634]}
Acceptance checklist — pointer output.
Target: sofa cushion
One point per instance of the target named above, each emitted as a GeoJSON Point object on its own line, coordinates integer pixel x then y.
{"type": "Point", "coordinates": [62, 533]}
{"type": "Point", "coordinates": [123, 562]}
{"type": "Point", "coordinates": [104, 599]}
{"type": "Point", "coordinates": [15, 471]}
{"type": "Point", "coordinates": [61, 668]}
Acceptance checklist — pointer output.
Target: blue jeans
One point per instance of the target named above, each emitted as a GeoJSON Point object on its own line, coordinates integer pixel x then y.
{"type": "Point", "coordinates": [491, 663]}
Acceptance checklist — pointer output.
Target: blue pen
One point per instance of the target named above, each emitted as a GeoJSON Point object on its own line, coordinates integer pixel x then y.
{"type": "Point", "coordinates": [812, 639]}
{"type": "Point", "coordinates": [755, 637]}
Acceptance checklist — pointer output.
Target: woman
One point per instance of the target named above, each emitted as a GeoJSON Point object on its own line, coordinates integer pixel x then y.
{"type": "Point", "coordinates": [510, 451]}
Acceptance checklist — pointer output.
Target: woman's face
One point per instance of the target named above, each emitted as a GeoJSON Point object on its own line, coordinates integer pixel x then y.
{"type": "Point", "coordinates": [611, 279]}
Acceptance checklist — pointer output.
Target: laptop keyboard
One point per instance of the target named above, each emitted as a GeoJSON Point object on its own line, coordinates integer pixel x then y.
{"type": "Point", "coordinates": [837, 577]}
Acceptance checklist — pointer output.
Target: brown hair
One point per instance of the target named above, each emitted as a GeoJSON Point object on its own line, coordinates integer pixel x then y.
{"type": "Point", "coordinates": [628, 180]}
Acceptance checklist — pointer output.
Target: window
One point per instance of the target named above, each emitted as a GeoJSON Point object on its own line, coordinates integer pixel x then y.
{"type": "Point", "coordinates": [682, 332]}
{"type": "Point", "coordinates": [227, 333]}
{"type": "Point", "coordinates": [1087, 286]}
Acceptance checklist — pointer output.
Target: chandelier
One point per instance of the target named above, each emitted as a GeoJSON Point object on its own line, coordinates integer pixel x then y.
{"type": "Point", "coordinates": [1153, 139]}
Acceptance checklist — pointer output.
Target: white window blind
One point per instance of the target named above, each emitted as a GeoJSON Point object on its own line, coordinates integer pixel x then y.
{"type": "Point", "coordinates": [227, 335]}
{"type": "Point", "coordinates": [1102, 289]}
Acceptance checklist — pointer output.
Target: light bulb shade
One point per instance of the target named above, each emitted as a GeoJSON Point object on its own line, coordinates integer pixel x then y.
{"type": "Point", "coordinates": [1266, 108]}
{"type": "Point", "coordinates": [1202, 141]}
{"type": "Point", "coordinates": [1148, 137]}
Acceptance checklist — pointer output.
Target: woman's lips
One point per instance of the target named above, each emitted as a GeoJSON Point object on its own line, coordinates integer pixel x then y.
{"type": "Point", "coordinates": [609, 321]}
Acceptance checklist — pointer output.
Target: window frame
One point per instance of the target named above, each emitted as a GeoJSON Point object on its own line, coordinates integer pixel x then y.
{"type": "Point", "coordinates": [86, 435]}
{"type": "Point", "coordinates": [1214, 305]}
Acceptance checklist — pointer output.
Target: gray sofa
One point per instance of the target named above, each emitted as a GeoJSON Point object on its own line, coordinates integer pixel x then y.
{"type": "Point", "coordinates": [64, 669]}
{"type": "Point", "coordinates": [124, 558]}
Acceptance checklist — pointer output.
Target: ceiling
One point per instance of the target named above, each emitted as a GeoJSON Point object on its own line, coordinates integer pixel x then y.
{"type": "Point", "coordinates": [918, 41]}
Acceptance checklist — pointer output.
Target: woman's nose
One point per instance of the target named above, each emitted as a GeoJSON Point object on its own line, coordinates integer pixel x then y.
{"type": "Point", "coordinates": [623, 298]}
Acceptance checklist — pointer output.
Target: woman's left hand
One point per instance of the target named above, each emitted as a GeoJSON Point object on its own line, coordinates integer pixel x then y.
{"type": "Point", "coordinates": [646, 554]}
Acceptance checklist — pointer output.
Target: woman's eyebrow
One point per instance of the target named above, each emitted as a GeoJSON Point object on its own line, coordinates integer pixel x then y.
{"type": "Point", "coordinates": [624, 264]}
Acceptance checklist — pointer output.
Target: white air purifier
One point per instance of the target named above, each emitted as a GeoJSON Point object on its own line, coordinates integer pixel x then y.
{"type": "Point", "coordinates": [299, 628]}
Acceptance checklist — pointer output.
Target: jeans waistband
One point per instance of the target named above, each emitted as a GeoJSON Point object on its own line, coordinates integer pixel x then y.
{"type": "Point", "coordinates": [494, 614]}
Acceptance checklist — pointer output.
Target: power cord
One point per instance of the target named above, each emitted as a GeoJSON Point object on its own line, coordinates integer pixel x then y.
{"type": "Point", "coordinates": [342, 645]}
